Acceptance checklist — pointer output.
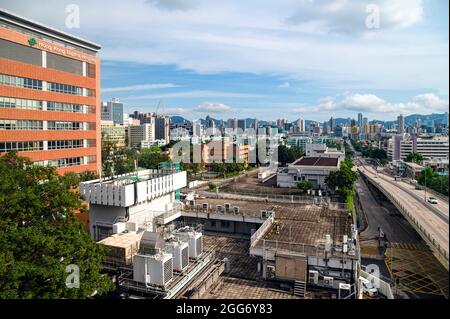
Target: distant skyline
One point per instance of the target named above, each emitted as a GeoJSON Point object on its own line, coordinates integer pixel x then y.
{"type": "Point", "coordinates": [264, 59]}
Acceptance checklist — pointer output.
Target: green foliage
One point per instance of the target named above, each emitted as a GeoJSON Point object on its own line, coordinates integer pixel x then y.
{"type": "Point", "coordinates": [334, 144]}
{"type": "Point", "coordinates": [348, 150]}
{"type": "Point", "coordinates": [343, 180]}
{"type": "Point", "coordinates": [288, 155]}
{"type": "Point", "coordinates": [227, 168]}
{"type": "Point", "coordinates": [304, 185]}
{"type": "Point", "coordinates": [434, 181]}
{"type": "Point", "coordinates": [212, 187]}
{"type": "Point", "coordinates": [415, 157]}
{"type": "Point", "coordinates": [117, 160]}
{"type": "Point", "coordinates": [40, 235]}
{"type": "Point", "coordinates": [371, 152]}
{"type": "Point", "coordinates": [151, 158]}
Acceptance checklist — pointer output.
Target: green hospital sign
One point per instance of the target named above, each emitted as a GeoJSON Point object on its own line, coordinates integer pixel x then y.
{"type": "Point", "coordinates": [32, 42]}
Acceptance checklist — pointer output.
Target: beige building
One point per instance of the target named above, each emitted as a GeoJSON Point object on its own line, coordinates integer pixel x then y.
{"type": "Point", "coordinates": [114, 133]}
{"type": "Point", "coordinates": [139, 133]}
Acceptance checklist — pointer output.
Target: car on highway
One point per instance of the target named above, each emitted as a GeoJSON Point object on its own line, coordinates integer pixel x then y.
{"type": "Point", "coordinates": [432, 200]}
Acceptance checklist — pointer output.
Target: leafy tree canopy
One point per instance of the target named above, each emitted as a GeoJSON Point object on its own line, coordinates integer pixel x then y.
{"type": "Point", "coordinates": [40, 235]}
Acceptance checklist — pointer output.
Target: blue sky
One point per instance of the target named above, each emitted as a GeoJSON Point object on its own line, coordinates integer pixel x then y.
{"type": "Point", "coordinates": [264, 59]}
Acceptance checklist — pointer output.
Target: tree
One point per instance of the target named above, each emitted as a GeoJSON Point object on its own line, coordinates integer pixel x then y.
{"type": "Point", "coordinates": [343, 180]}
{"type": "Point", "coordinates": [288, 155]}
{"type": "Point", "coordinates": [40, 235]}
{"type": "Point", "coordinates": [151, 158]}
{"type": "Point", "coordinates": [212, 187]}
{"type": "Point", "coordinates": [415, 157]}
{"type": "Point", "coordinates": [304, 186]}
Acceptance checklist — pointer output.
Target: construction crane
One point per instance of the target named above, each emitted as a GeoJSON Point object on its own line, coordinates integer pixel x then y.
{"type": "Point", "coordinates": [161, 108]}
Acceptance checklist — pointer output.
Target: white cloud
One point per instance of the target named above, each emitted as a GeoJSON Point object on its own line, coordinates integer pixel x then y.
{"type": "Point", "coordinates": [284, 85]}
{"type": "Point", "coordinates": [372, 104]}
{"type": "Point", "coordinates": [306, 39]}
{"type": "Point", "coordinates": [140, 87]}
{"type": "Point", "coordinates": [213, 108]}
{"type": "Point", "coordinates": [349, 16]}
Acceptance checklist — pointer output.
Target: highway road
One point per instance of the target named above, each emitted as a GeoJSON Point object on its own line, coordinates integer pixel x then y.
{"type": "Point", "coordinates": [433, 221]}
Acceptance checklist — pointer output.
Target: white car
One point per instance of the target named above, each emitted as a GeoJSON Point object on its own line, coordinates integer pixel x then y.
{"type": "Point", "coordinates": [432, 200]}
{"type": "Point", "coordinates": [368, 288]}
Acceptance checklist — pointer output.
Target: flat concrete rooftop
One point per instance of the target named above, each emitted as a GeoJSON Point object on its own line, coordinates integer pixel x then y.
{"type": "Point", "coordinates": [296, 227]}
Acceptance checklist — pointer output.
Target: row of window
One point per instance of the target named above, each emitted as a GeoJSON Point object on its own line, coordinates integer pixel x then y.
{"type": "Point", "coordinates": [65, 162]}
{"type": "Point", "coordinates": [30, 55]}
{"type": "Point", "coordinates": [20, 103]}
{"type": "Point", "coordinates": [14, 103]}
{"type": "Point", "coordinates": [23, 125]}
{"type": "Point", "coordinates": [57, 145]}
{"type": "Point", "coordinates": [64, 107]}
{"type": "Point", "coordinates": [39, 145]}
{"type": "Point", "coordinates": [19, 82]}
{"type": "Point", "coordinates": [31, 125]}
{"type": "Point", "coordinates": [21, 146]}
{"type": "Point", "coordinates": [65, 126]}
{"type": "Point", "coordinates": [27, 83]}
{"type": "Point", "coordinates": [64, 88]}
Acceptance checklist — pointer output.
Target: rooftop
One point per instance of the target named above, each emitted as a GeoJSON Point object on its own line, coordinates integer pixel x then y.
{"type": "Point", "coordinates": [34, 26]}
{"type": "Point", "coordinates": [316, 161]}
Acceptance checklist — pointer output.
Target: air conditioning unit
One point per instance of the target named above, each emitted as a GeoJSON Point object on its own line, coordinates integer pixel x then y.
{"type": "Point", "coordinates": [153, 270]}
{"type": "Point", "coordinates": [313, 278]}
{"type": "Point", "coordinates": [328, 281]}
{"type": "Point", "coordinates": [205, 206]}
{"type": "Point", "coordinates": [263, 214]}
{"type": "Point", "coordinates": [180, 253]}
{"type": "Point", "coordinates": [119, 227]}
{"type": "Point", "coordinates": [219, 208]}
{"type": "Point", "coordinates": [191, 203]}
{"type": "Point", "coordinates": [227, 207]}
{"type": "Point", "coordinates": [194, 240]}
{"type": "Point", "coordinates": [236, 209]}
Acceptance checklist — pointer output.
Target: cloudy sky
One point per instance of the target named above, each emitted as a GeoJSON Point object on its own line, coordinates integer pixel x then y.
{"type": "Point", "coordinates": [265, 58]}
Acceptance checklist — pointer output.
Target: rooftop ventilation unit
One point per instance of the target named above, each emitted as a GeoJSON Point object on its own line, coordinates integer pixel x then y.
{"type": "Point", "coordinates": [153, 270]}
{"type": "Point", "coordinates": [194, 240]}
{"type": "Point", "coordinates": [205, 206]}
{"type": "Point", "coordinates": [227, 207]}
{"type": "Point", "coordinates": [236, 209]}
{"type": "Point", "coordinates": [180, 253]}
{"type": "Point", "coordinates": [219, 208]}
{"type": "Point", "coordinates": [263, 214]}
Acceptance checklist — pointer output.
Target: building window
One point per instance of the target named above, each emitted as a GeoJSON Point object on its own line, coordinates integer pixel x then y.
{"type": "Point", "coordinates": [20, 103]}
{"type": "Point", "coordinates": [21, 146]}
{"type": "Point", "coordinates": [65, 64]}
{"type": "Point", "coordinates": [65, 126]}
{"type": "Point", "coordinates": [64, 88]}
{"type": "Point", "coordinates": [21, 53]}
{"type": "Point", "coordinates": [19, 82]}
{"type": "Point", "coordinates": [64, 107]}
{"type": "Point", "coordinates": [65, 162]}
{"type": "Point", "coordinates": [26, 125]}
{"type": "Point", "coordinates": [57, 145]}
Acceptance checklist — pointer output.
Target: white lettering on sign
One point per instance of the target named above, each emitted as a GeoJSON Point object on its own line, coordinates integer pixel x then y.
{"type": "Point", "coordinates": [54, 48]}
